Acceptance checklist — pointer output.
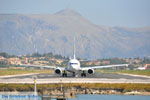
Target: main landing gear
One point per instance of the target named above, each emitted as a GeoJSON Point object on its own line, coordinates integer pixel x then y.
{"type": "Point", "coordinates": [64, 74]}
{"type": "Point", "coordinates": [83, 74]}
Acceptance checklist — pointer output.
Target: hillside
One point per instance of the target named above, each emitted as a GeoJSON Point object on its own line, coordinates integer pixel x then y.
{"type": "Point", "coordinates": [24, 34]}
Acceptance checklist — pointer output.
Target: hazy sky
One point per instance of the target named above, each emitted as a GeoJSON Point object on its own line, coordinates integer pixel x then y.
{"type": "Point", "coordinates": [129, 13]}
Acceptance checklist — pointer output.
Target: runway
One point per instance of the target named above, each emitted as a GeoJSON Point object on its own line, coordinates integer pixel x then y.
{"type": "Point", "coordinates": [53, 78]}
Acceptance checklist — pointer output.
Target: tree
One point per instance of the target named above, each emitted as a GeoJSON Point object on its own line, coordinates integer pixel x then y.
{"type": "Point", "coordinates": [36, 55]}
{"type": "Point", "coordinates": [4, 54]}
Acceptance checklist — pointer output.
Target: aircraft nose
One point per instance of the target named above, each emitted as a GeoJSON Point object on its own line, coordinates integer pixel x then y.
{"type": "Point", "coordinates": [73, 66]}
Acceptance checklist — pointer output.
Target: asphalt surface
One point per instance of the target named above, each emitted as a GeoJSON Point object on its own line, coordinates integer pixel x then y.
{"type": "Point", "coordinates": [95, 78]}
{"type": "Point", "coordinates": [96, 75]}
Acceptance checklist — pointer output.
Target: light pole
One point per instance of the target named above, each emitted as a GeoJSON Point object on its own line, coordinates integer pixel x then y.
{"type": "Point", "coordinates": [35, 89]}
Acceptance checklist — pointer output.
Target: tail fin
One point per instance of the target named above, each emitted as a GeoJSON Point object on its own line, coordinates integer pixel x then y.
{"type": "Point", "coordinates": [74, 52]}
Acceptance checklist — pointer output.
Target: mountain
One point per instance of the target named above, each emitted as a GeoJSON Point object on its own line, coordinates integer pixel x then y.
{"type": "Point", "coordinates": [24, 34]}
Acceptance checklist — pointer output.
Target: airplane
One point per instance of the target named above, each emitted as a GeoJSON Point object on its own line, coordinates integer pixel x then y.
{"type": "Point", "coordinates": [144, 68]}
{"type": "Point", "coordinates": [141, 68]}
{"type": "Point", "coordinates": [75, 68]}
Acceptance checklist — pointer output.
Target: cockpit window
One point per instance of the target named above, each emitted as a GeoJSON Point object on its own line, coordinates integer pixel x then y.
{"type": "Point", "coordinates": [73, 63]}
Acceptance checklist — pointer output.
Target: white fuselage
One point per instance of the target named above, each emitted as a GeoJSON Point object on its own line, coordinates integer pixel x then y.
{"type": "Point", "coordinates": [74, 65]}
{"type": "Point", "coordinates": [141, 68]}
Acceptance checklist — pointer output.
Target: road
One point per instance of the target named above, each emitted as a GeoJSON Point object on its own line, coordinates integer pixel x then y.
{"type": "Point", "coordinates": [53, 78]}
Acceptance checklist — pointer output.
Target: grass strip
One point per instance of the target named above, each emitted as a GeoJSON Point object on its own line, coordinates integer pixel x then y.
{"type": "Point", "coordinates": [21, 71]}
{"type": "Point", "coordinates": [123, 86]}
{"type": "Point", "coordinates": [134, 72]}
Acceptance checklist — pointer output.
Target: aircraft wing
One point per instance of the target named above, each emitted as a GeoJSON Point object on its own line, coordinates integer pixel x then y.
{"type": "Point", "coordinates": [99, 67]}
{"type": "Point", "coordinates": [40, 66]}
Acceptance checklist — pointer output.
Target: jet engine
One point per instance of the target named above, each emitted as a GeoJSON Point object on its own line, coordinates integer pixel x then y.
{"type": "Point", "coordinates": [58, 71]}
{"type": "Point", "coordinates": [91, 71]}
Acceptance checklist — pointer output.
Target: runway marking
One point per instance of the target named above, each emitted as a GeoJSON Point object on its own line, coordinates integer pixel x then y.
{"type": "Point", "coordinates": [73, 80]}
{"type": "Point", "coordinates": [7, 76]}
{"type": "Point", "coordinates": [135, 75]}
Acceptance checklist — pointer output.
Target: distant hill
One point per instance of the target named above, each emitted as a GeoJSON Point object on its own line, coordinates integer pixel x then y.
{"type": "Point", "coordinates": [25, 34]}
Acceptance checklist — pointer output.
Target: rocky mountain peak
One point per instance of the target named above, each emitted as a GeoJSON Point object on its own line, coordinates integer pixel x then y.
{"type": "Point", "coordinates": [68, 12]}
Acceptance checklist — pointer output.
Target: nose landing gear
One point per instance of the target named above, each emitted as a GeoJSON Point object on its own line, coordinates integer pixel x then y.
{"type": "Point", "coordinates": [73, 74]}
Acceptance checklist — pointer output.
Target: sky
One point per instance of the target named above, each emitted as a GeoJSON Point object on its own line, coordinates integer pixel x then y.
{"type": "Point", "coordinates": [122, 13]}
